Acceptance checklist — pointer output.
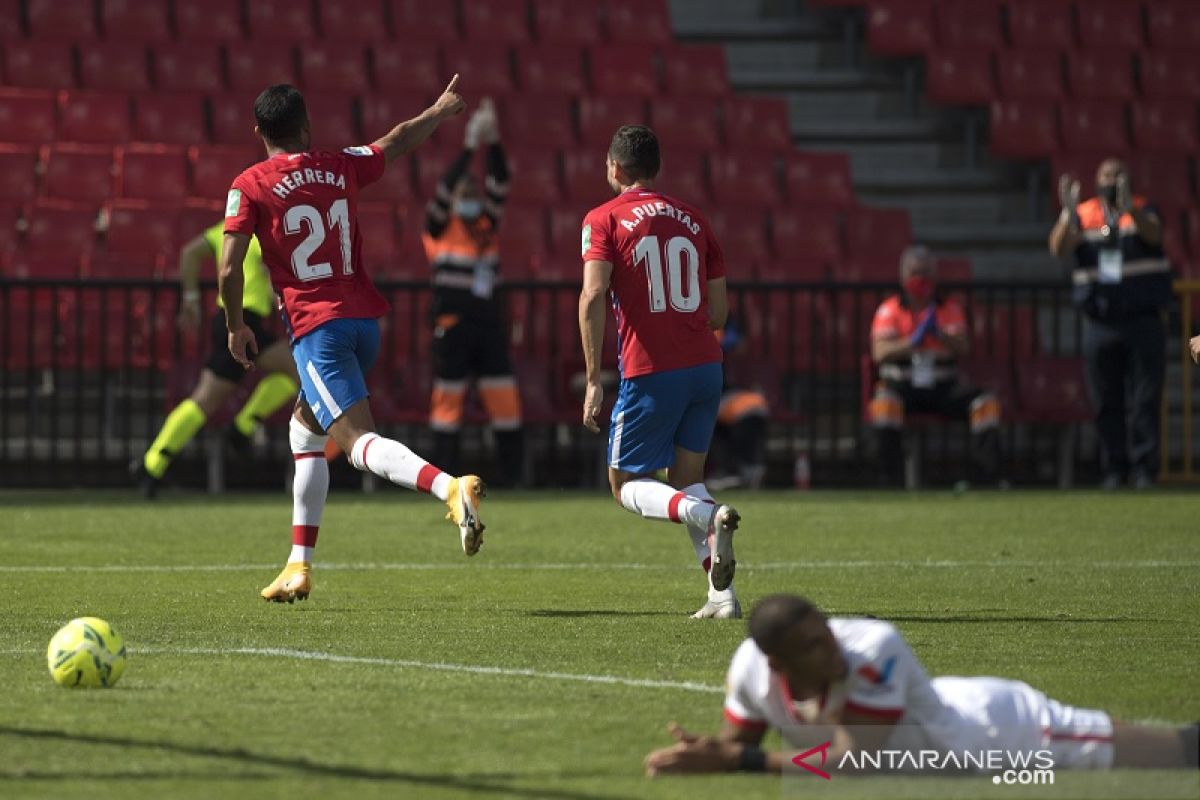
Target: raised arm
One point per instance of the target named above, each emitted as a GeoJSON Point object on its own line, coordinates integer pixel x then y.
{"type": "Point", "coordinates": [408, 135]}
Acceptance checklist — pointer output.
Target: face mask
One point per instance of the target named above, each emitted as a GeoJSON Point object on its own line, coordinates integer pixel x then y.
{"type": "Point", "coordinates": [1108, 191]}
{"type": "Point", "coordinates": [919, 288]}
{"type": "Point", "coordinates": [468, 209]}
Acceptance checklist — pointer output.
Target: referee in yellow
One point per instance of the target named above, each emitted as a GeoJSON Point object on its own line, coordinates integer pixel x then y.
{"type": "Point", "coordinates": [221, 374]}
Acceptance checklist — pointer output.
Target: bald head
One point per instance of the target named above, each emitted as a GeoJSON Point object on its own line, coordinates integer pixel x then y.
{"type": "Point", "coordinates": [774, 618]}
{"type": "Point", "coordinates": [1109, 169]}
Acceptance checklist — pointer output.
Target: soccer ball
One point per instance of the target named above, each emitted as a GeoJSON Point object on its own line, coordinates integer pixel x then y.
{"type": "Point", "coordinates": [86, 652]}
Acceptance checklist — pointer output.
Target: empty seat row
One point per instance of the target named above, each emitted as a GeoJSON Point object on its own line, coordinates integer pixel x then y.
{"type": "Point", "coordinates": [510, 21]}
{"type": "Point", "coordinates": [486, 67]}
{"type": "Point", "coordinates": [1032, 129]}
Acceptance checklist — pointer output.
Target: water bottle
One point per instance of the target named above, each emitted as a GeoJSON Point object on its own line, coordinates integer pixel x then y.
{"type": "Point", "coordinates": [802, 473]}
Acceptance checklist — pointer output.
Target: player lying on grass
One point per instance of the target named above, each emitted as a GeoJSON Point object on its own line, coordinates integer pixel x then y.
{"type": "Point", "coordinates": [660, 262]}
{"type": "Point", "coordinates": [856, 684]}
{"type": "Point", "coordinates": [302, 205]}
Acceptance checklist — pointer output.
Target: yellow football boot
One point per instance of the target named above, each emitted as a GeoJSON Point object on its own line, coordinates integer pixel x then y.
{"type": "Point", "coordinates": [294, 583]}
{"type": "Point", "coordinates": [464, 498]}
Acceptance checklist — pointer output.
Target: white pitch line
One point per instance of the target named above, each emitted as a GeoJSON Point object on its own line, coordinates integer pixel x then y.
{"type": "Point", "coordinates": [400, 663]}
{"type": "Point", "coordinates": [593, 566]}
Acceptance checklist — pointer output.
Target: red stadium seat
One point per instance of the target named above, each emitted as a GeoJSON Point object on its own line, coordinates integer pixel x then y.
{"type": "Point", "coordinates": [543, 120]}
{"type": "Point", "coordinates": [116, 66]}
{"type": "Point", "coordinates": [489, 65]}
{"type": "Point", "coordinates": [1173, 23]}
{"type": "Point", "coordinates": [900, 27]}
{"type": "Point", "coordinates": [953, 270]}
{"type": "Point", "coordinates": [601, 115]}
{"type": "Point", "coordinates": [209, 20]}
{"type": "Point", "coordinates": [1165, 126]}
{"type": "Point", "coordinates": [1053, 390]}
{"type": "Point", "coordinates": [742, 235]}
{"type": "Point", "coordinates": [382, 112]}
{"type": "Point", "coordinates": [214, 168]}
{"type": "Point", "coordinates": [140, 227]}
{"type": "Point", "coordinates": [566, 226]}
{"type": "Point", "coordinates": [973, 25]}
{"type": "Point", "coordinates": [807, 234]}
{"type": "Point", "coordinates": [1101, 74]}
{"type": "Point", "coordinates": [280, 20]}
{"type": "Point", "coordinates": [504, 21]}
{"type": "Point", "coordinates": [61, 20]}
{"type": "Point", "coordinates": [334, 67]}
{"type": "Point", "coordinates": [551, 68]}
{"type": "Point", "coordinates": [38, 65]}
{"type": "Point", "coordinates": [425, 20]}
{"type": "Point", "coordinates": [1171, 74]}
{"type": "Point", "coordinates": [408, 67]}
{"type": "Point", "coordinates": [333, 120]}
{"type": "Point", "coordinates": [682, 177]}
{"type": "Point", "coordinates": [1167, 179]}
{"type": "Point", "coordinates": [960, 77]}
{"type": "Point", "coordinates": [27, 115]}
{"type": "Point", "coordinates": [136, 20]}
{"type": "Point", "coordinates": [24, 264]}
{"type": "Point", "coordinates": [188, 67]}
{"type": "Point", "coordinates": [638, 21]}
{"type": "Point", "coordinates": [1040, 25]}
{"type": "Point", "coordinates": [1024, 129]}
{"type": "Point", "coordinates": [524, 249]}
{"type": "Point", "coordinates": [377, 225]}
{"type": "Point", "coordinates": [1030, 74]}
{"type": "Point", "coordinates": [566, 22]}
{"type": "Point", "coordinates": [94, 117]}
{"type": "Point", "coordinates": [745, 177]}
{"type": "Point", "coordinates": [878, 233]}
{"type": "Point", "coordinates": [254, 66]}
{"type": "Point", "coordinates": [10, 23]}
{"type": "Point", "coordinates": [583, 176]}
{"type": "Point", "coordinates": [173, 118]}
{"type": "Point", "coordinates": [58, 228]}
{"type": "Point", "coordinates": [124, 266]}
{"type": "Point", "coordinates": [428, 169]}
{"type": "Point", "coordinates": [696, 69]}
{"type": "Point", "coordinates": [685, 120]}
{"type": "Point", "coordinates": [232, 117]}
{"type": "Point", "coordinates": [1094, 125]}
{"type": "Point", "coordinates": [757, 122]}
{"type": "Point", "coordinates": [534, 175]}
{"type": "Point", "coordinates": [819, 178]}
{"type": "Point", "coordinates": [18, 175]}
{"type": "Point", "coordinates": [622, 69]}
{"type": "Point", "coordinates": [1110, 23]}
{"type": "Point", "coordinates": [152, 172]}
{"type": "Point", "coordinates": [80, 172]}
{"type": "Point", "coordinates": [353, 20]}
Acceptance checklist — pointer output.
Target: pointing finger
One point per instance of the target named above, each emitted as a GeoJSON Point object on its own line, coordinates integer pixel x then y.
{"type": "Point", "coordinates": [453, 85]}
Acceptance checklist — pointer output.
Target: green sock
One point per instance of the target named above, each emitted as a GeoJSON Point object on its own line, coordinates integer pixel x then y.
{"type": "Point", "coordinates": [271, 392]}
{"type": "Point", "coordinates": [182, 424]}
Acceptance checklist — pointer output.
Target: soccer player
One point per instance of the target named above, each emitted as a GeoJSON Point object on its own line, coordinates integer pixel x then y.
{"type": "Point", "coordinates": [221, 375]}
{"type": "Point", "coordinates": [660, 262]}
{"type": "Point", "coordinates": [856, 684]}
{"type": "Point", "coordinates": [302, 205]}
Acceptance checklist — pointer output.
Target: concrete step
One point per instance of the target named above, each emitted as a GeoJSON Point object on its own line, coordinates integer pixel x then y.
{"type": "Point", "coordinates": [869, 158]}
{"type": "Point", "coordinates": [747, 19]}
{"type": "Point", "coordinates": [957, 208]}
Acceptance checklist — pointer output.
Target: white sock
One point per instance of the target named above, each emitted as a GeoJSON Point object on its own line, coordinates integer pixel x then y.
{"type": "Point", "coordinates": [389, 459]}
{"type": "Point", "coordinates": [310, 488]}
{"type": "Point", "coordinates": [655, 500]}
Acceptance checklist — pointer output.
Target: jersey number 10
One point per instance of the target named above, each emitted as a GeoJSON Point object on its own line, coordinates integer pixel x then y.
{"type": "Point", "coordinates": [684, 291]}
{"type": "Point", "coordinates": [339, 217]}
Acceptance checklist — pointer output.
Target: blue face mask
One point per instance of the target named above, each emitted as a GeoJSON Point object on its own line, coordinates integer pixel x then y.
{"type": "Point", "coordinates": [468, 209]}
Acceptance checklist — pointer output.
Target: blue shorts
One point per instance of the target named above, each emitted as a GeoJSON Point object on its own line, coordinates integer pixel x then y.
{"type": "Point", "coordinates": [656, 413]}
{"type": "Point", "coordinates": [333, 361]}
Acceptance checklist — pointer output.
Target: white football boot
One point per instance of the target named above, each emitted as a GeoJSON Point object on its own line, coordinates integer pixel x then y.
{"type": "Point", "coordinates": [720, 605]}
{"type": "Point", "coordinates": [720, 542]}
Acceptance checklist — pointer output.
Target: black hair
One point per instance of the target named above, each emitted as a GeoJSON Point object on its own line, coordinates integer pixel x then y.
{"type": "Point", "coordinates": [280, 113]}
{"type": "Point", "coordinates": [635, 149]}
{"type": "Point", "coordinates": [774, 617]}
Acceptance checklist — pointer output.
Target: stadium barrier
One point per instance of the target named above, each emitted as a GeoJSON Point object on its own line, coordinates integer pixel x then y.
{"type": "Point", "coordinates": [89, 369]}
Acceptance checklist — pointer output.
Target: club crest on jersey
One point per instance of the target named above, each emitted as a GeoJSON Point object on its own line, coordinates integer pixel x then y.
{"type": "Point", "coordinates": [358, 150]}
{"type": "Point", "coordinates": [587, 238]}
{"type": "Point", "coordinates": [879, 677]}
{"type": "Point", "coordinates": [233, 203]}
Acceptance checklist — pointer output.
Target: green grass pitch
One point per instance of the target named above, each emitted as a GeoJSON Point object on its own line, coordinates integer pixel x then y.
{"type": "Point", "coordinates": [436, 676]}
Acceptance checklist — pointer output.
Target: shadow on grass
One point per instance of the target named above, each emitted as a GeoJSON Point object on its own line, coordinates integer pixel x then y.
{"type": "Point", "coordinates": [489, 784]}
{"type": "Point", "coordinates": [990, 618]}
{"type": "Point", "coordinates": [598, 612]}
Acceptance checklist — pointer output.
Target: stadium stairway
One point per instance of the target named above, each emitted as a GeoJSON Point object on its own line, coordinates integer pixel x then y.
{"type": "Point", "coordinates": [905, 152]}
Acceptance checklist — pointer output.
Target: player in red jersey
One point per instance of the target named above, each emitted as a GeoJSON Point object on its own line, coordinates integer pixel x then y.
{"type": "Point", "coordinates": [659, 261]}
{"type": "Point", "coordinates": [302, 205]}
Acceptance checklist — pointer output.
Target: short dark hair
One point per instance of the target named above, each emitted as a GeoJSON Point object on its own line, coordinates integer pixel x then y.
{"type": "Point", "coordinates": [774, 617]}
{"type": "Point", "coordinates": [280, 113]}
{"type": "Point", "coordinates": [635, 149]}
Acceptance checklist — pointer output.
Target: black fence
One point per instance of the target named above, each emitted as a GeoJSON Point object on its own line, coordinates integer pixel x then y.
{"type": "Point", "coordinates": [88, 371]}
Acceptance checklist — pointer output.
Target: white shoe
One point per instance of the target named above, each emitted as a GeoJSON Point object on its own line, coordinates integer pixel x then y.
{"type": "Point", "coordinates": [720, 541]}
{"type": "Point", "coordinates": [720, 609]}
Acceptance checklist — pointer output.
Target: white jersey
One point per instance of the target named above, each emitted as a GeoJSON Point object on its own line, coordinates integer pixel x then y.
{"type": "Point", "coordinates": [885, 680]}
